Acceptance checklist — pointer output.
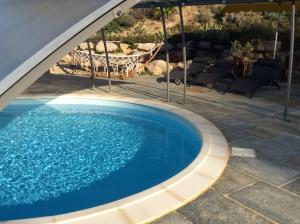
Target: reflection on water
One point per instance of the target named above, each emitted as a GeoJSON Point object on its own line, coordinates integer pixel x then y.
{"type": "Point", "coordinates": [61, 158]}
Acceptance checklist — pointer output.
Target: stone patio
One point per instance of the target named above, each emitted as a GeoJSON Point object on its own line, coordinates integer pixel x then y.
{"type": "Point", "coordinates": [263, 189]}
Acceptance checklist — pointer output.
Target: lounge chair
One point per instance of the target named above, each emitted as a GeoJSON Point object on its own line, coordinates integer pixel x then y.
{"type": "Point", "coordinates": [264, 73]}
{"type": "Point", "coordinates": [177, 76]}
{"type": "Point", "coordinates": [222, 69]}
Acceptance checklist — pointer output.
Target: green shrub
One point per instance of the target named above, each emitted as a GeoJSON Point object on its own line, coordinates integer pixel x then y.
{"type": "Point", "coordinates": [95, 38]}
{"type": "Point", "coordinates": [212, 26]}
{"type": "Point", "coordinates": [236, 48]}
{"type": "Point", "coordinates": [236, 20]}
{"type": "Point", "coordinates": [126, 20]}
{"type": "Point", "coordinates": [241, 50]}
{"type": "Point", "coordinates": [218, 37]}
{"type": "Point", "coordinates": [119, 24]}
{"type": "Point", "coordinates": [169, 11]}
{"type": "Point", "coordinates": [205, 15]}
{"type": "Point", "coordinates": [113, 27]}
{"type": "Point", "coordinates": [154, 13]}
{"type": "Point", "coordinates": [256, 32]}
{"type": "Point", "coordinates": [271, 18]}
{"type": "Point", "coordinates": [218, 13]}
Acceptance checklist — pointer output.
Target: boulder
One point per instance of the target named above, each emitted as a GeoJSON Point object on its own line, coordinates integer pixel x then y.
{"type": "Point", "coordinates": [68, 59]}
{"type": "Point", "coordinates": [201, 54]}
{"type": "Point", "coordinates": [119, 54]}
{"type": "Point", "coordinates": [125, 49]}
{"type": "Point", "coordinates": [204, 45]}
{"type": "Point", "coordinates": [157, 67]}
{"type": "Point", "coordinates": [193, 68]}
{"type": "Point", "coordinates": [181, 65]}
{"type": "Point", "coordinates": [110, 47]}
{"type": "Point", "coordinates": [269, 55]}
{"type": "Point", "coordinates": [278, 45]}
{"type": "Point", "coordinates": [296, 76]}
{"type": "Point", "coordinates": [219, 48]}
{"type": "Point", "coordinates": [260, 47]}
{"type": "Point", "coordinates": [269, 45]}
{"type": "Point", "coordinates": [145, 46]}
{"type": "Point", "coordinates": [84, 46]}
{"type": "Point", "coordinates": [140, 67]}
{"type": "Point", "coordinates": [188, 44]}
{"type": "Point", "coordinates": [87, 52]}
{"type": "Point", "coordinates": [58, 70]}
{"type": "Point", "coordinates": [297, 62]}
{"type": "Point", "coordinates": [260, 55]}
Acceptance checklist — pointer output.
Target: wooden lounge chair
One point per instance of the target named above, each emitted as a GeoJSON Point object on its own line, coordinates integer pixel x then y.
{"type": "Point", "coordinates": [220, 70]}
{"type": "Point", "coordinates": [264, 73]}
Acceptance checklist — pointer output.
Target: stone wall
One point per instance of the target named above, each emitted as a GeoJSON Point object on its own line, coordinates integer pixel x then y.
{"type": "Point", "coordinates": [197, 52]}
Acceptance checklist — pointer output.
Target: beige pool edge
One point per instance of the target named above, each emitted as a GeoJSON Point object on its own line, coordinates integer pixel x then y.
{"type": "Point", "coordinates": [163, 198]}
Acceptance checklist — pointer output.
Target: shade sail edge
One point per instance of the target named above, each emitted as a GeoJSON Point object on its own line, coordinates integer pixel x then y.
{"type": "Point", "coordinates": [15, 82]}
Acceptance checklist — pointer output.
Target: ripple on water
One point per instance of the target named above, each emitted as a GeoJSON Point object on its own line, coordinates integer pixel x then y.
{"type": "Point", "coordinates": [46, 152]}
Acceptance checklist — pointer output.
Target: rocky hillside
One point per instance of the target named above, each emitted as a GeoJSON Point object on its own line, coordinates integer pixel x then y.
{"type": "Point", "coordinates": [202, 22]}
{"type": "Point", "coordinates": [210, 34]}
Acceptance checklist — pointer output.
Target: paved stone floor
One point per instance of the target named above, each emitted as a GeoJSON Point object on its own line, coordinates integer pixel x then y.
{"type": "Point", "coordinates": [260, 189]}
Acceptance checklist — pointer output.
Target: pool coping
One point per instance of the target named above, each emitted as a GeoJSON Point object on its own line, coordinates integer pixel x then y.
{"type": "Point", "coordinates": [165, 197]}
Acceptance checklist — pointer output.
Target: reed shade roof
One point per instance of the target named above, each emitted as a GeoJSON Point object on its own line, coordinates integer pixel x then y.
{"type": "Point", "coordinates": [168, 3]}
{"type": "Point", "coordinates": [261, 7]}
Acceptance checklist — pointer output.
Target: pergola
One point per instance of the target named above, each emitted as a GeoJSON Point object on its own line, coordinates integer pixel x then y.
{"type": "Point", "coordinates": [232, 6]}
{"type": "Point", "coordinates": [36, 34]}
{"type": "Point", "coordinates": [278, 7]}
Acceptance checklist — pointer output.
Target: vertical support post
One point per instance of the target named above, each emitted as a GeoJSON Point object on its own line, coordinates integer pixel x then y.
{"type": "Point", "coordinates": [292, 40]}
{"type": "Point", "coordinates": [166, 51]}
{"type": "Point", "coordinates": [107, 60]}
{"type": "Point", "coordinates": [183, 52]}
{"type": "Point", "coordinates": [91, 62]}
{"type": "Point", "coordinates": [276, 34]}
{"type": "Point", "coordinates": [49, 76]}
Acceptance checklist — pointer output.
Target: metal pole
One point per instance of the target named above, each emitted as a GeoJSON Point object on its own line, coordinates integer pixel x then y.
{"type": "Point", "coordinates": [288, 91]}
{"type": "Point", "coordinates": [91, 62]}
{"type": "Point", "coordinates": [183, 52]}
{"type": "Point", "coordinates": [167, 51]}
{"type": "Point", "coordinates": [276, 34]}
{"type": "Point", "coordinates": [49, 76]}
{"type": "Point", "coordinates": [107, 60]}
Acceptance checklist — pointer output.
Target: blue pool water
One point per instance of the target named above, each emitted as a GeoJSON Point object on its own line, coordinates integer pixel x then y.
{"type": "Point", "coordinates": [59, 158]}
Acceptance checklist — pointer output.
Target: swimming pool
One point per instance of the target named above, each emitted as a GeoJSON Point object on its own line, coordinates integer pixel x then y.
{"type": "Point", "coordinates": [68, 155]}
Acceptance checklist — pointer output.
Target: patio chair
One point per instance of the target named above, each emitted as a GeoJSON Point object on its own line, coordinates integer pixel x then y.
{"type": "Point", "coordinates": [264, 73]}
{"type": "Point", "coordinates": [222, 69]}
{"type": "Point", "coordinates": [177, 76]}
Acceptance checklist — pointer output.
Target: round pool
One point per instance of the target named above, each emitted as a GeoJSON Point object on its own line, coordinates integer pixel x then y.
{"type": "Point", "coordinates": [61, 156]}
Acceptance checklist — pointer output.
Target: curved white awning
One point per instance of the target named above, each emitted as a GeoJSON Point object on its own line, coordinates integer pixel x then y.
{"type": "Point", "coordinates": [35, 34]}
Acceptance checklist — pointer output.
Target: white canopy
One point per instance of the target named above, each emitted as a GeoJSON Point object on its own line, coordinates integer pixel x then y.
{"type": "Point", "coordinates": [35, 34]}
